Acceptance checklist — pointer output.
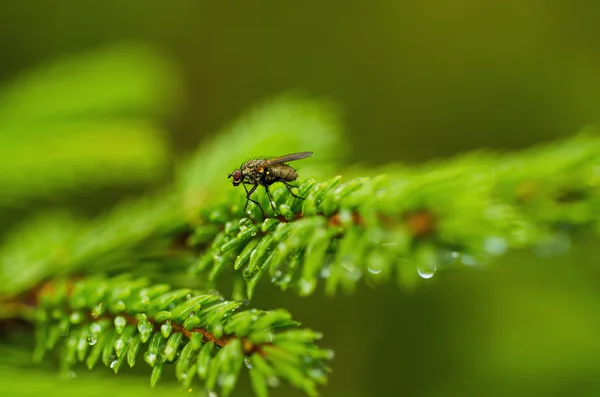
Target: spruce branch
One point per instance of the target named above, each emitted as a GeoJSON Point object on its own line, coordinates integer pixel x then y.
{"type": "Point", "coordinates": [461, 213]}
{"type": "Point", "coordinates": [466, 212]}
{"type": "Point", "coordinates": [116, 320]}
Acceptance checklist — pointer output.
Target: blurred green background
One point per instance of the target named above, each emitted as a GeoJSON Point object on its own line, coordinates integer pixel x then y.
{"type": "Point", "coordinates": [416, 80]}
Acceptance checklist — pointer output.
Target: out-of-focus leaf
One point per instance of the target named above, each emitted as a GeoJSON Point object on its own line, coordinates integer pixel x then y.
{"type": "Point", "coordinates": [84, 121]}
{"type": "Point", "coordinates": [127, 80]}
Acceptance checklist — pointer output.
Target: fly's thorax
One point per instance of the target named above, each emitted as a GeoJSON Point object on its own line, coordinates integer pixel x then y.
{"type": "Point", "coordinates": [254, 164]}
{"type": "Point", "coordinates": [252, 177]}
{"type": "Point", "coordinates": [253, 171]}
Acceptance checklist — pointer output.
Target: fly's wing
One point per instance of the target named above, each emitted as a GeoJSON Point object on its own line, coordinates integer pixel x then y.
{"type": "Point", "coordinates": [288, 157]}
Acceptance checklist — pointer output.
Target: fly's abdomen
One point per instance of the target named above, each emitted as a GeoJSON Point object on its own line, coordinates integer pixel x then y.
{"type": "Point", "coordinates": [281, 173]}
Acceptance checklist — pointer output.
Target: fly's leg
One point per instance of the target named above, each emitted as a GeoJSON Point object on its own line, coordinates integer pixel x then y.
{"type": "Point", "coordinates": [248, 194]}
{"type": "Point", "coordinates": [270, 198]}
{"type": "Point", "coordinates": [266, 184]}
{"type": "Point", "coordinates": [289, 188]}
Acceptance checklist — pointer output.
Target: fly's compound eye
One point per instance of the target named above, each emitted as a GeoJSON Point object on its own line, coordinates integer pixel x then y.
{"type": "Point", "coordinates": [237, 177]}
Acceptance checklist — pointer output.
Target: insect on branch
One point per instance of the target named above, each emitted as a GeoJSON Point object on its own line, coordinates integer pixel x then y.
{"type": "Point", "coordinates": [265, 172]}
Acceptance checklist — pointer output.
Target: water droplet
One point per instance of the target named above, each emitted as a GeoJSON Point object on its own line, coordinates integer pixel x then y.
{"type": "Point", "coordinates": [245, 223]}
{"type": "Point", "coordinates": [150, 358]}
{"type": "Point", "coordinates": [468, 260]}
{"type": "Point", "coordinates": [119, 306]}
{"type": "Point", "coordinates": [145, 329]}
{"type": "Point", "coordinates": [375, 263]}
{"type": "Point", "coordinates": [95, 328]}
{"type": "Point", "coordinates": [119, 346]}
{"type": "Point", "coordinates": [316, 373]}
{"type": "Point", "coordinates": [92, 339]}
{"type": "Point", "coordinates": [306, 286]}
{"type": "Point", "coordinates": [495, 245]}
{"type": "Point", "coordinates": [231, 228]}
{"type": "Point", "coordinates": [273, 381]}
{"type": "Point", "coordinates": [276, 276]}
{"type": "Point", "coordinates": [253, 233]}
{"type": "Point", "coordinates": [275, 211]}
{"type": "Point", "coordinates": [120, 323]}
{"type": "Point", "coordinates": [249, 212]}
{"type": "Point", "coordinates": [76, 317]}
{"type": "Point", "coordinates": [212, 394]}
{"type": "Point", "coordinates": [248, 362]}
{"type": "Point", "coordinates": [166, 329]}
{"type": "Point", "coordinates": [113, 364]}
{"type": "Point", "coordinates": [426, 271]}
{"type": "Point", "coordinates": [184, 376]}
{"type": "Point", "coordinates": [353, 272]}
{"type": "Point", "coordinates": [326, 272]}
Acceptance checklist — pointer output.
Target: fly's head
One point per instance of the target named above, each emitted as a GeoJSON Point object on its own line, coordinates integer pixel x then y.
{"type": "Point", "coordinates": [237, 176]}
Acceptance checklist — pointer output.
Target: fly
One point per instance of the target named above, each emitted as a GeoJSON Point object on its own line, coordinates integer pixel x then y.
{"type": "Point", "coordinates": [265, 172]}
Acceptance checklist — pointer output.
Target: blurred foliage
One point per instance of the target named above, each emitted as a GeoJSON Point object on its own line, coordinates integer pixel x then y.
{"type": "Point", "coordinates": [85, 121]}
